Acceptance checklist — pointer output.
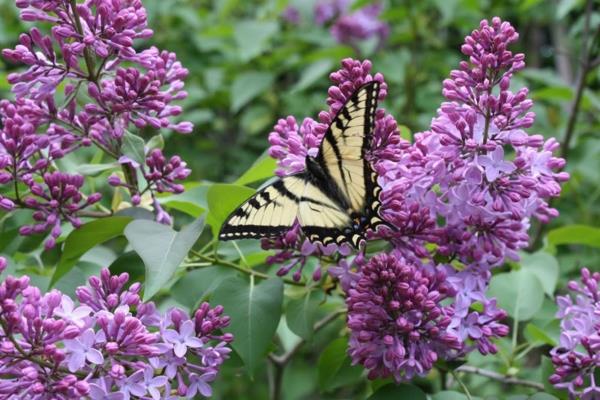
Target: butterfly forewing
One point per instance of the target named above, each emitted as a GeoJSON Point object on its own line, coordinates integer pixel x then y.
{"type": "Point", "coordinates": [271, 211]}
{"type": "Point", "coordinates": [343, 149]}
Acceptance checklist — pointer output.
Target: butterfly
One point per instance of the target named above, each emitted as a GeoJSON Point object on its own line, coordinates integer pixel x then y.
{"type": "Point", "coordinates": [336, 199]}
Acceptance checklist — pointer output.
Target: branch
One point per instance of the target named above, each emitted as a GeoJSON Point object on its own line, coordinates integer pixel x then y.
{"type": "Point", "coordinates": [247, 271]}
{"type": "Point", "coordinates": [509, 380]}
{"type": "Point", "coordinates": [89, 60]}
{"type": "Point", "coordinates": [586, 67]}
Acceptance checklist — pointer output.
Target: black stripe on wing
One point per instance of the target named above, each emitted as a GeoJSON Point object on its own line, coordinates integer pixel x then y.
{"type": "Point", "coordinates": [270, 212]}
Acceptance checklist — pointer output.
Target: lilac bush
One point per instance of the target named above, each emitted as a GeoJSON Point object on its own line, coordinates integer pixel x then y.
{"type": "Point", "coordinates": [109, 346]}
{"type": "Point", "coordinates": [578, 353]}
{"type": "Point", "coordinates": [460, 200]}
{"type": "Point", "coordinates": [86, 85]}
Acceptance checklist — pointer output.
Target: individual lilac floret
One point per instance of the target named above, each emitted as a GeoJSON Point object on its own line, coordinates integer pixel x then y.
{"type": "Point", "coordinates": [577, 355]}
{"type": "Point", "coordinates": [398, 326]}
{"type": "Point", "coordinates": [111, 346]}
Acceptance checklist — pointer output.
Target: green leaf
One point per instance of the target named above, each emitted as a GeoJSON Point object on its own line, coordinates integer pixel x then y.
{"type": "Point", "coordinates": [545, 267]}
{"type": "Point", "coordinates": [448, 395]}
{"type": "Point", "coordinates": [301, 314]}
{"type": "Point", "coordinates": [11, 268]}
{"type": "Point", "coordinates": [312, 74]}
{"type": "Point", "coordinates": [401, 391]}
{"type": "Point", "coordinates": [520, 293]}
{"type": "Point", "coordinates": [553, 93]}
{"type": "Point", "coordinates": [133, 147]}
{"type": "Point", "coordinates": [542, 396]}
{"type": "Point", "coordinates": [252, 37]}
{"type": "Point", "coordinates": [334, 366]}
{"type": "Point", "coordinates": [447, 8]}
{"type": "Point", "coordinates": [156, 142]}
{"type": "Point", "coordinates": [162, 249]}
{"type": "Point", "coordinates": [575, 234]}
{"type": "Point", "coordinates": [261, 169]}
{"type": "Point", "coordinates": [255, 311]}
{"type": "Point", "coordinates": [222, 199]}
{"type": "Point", "coordinates": [131, 263]}
{"type": "Point", "coordinates": [95, 169]}
{"type": "Point", "coordinates": [84, 238]}
{"type": "Point", "coordinates": [76, 277]}
{"type": "Point", "coordinates": [247, 86]}
{"type": "Point", "coordinates": [198, 284]}
{"type": "Point", "coordinates": [536, 334]}
{"type": "Point", "coordinates": [192, 201]}
{"type": "Point", "coordinates": [136, 213]}
{"type": "Point", "coordinates": [187, 207]}
{"type": "Point", "coordinates": [564, 7]}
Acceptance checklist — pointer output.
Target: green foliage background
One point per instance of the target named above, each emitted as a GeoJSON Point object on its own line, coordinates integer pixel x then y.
{"type": "Point", "coordinates": [247, 69]}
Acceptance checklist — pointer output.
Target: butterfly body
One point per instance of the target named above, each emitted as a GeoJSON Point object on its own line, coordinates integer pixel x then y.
{"type": "Point", "coordinates": [336, 198]}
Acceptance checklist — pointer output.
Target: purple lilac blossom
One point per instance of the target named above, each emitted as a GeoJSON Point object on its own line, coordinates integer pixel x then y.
{"type": "Point", "coordinates": [479, 172]}
{"type": "Point", "coordinates": [360, 25]}
{"type": "Point", "coordinates": [110, 346]}
{"type": "Point", "coordinates": [577, 355]}
{"type": "Point", "coordinates": [291, 15]}
{"type": "Point", "coordinates": [85, 51]}
{"type": "Point", "coordinates": [465, 191]}
{"type": "Point", "coordinates": [326, 10]}
{"type": "Point", "coordinates": [351, 26]}
{"type": "Point", "coordinates": [398, 328]}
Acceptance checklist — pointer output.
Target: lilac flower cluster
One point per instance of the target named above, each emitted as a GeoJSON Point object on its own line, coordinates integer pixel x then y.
{"type": "Point", "coordinates": [479, 171]}
{"type": "Point", "coordinates": [110, 346]}
{"type": "Point", "coordinates": [459, 201]}
{"type": "Point", "coordinates": [577, 355]}
{"type": "Point", "coordinates": [85, 51]}
{"type": "Point", "coordinates": [398, 327]}
{"type": "Point", "coordinates": [351, 27]}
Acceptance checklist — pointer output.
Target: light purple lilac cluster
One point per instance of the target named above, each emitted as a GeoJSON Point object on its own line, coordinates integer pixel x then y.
{"type": "Point", "coordinates": [352, 26]}
{"type": "Point", "coordinates": [459, 199]}
{"type": "Point", "coordinates": [88, 54]}
{"type": "Point", "coordinates": [109, 346]}
{"type": "Point", "coordinates": [577, 355]}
